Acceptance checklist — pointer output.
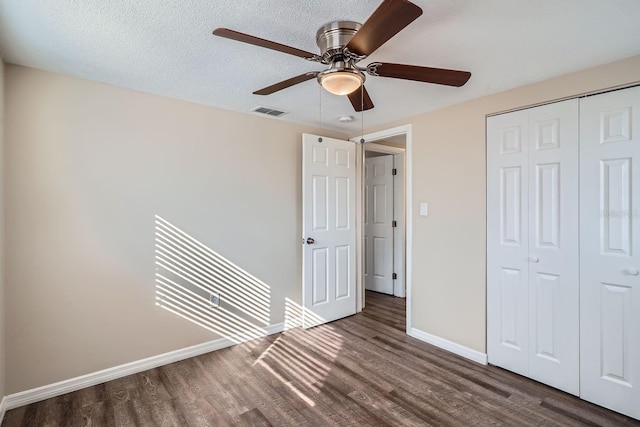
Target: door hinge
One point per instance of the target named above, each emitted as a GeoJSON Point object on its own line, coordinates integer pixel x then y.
{"type": "Point", "coordinates": [394, 223]}
{"type": "Point", "coordinates": [394, 171]}
{"type": "Point", "coordinates": [394, 276]}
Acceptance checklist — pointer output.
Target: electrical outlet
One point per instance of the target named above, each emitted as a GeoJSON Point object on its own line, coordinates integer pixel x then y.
{"type": "Point", "coordinates": [214, 300]}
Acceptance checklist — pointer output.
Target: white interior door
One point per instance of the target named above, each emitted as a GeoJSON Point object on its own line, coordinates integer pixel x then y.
{"type": "Point", "coordinates": [508, 241]}
{"type": "Point", "coordinates": [553, 246]}
{"type": "Point", "coordinates": [610, 250]}
{"type": "Point", "coordinates": [329, 229]}
{"type": "Point", "coordinates": [378, 228]}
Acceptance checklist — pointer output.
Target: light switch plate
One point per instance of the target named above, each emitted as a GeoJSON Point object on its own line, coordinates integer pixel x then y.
{"type": "Point", "coordinates": [424, 209]}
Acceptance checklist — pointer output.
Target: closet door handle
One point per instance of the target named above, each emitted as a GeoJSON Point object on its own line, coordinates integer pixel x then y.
{"type": "Point", "coordinates": [534, 259]}
{"type": "Point", "coordinates": [631, 271]}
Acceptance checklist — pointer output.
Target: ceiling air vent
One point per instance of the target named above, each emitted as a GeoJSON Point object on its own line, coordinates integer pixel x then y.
{"type": "Point", "coordinates": [269, 111]}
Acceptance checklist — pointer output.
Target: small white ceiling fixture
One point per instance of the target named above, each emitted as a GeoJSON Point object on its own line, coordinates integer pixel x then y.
{"type": "Point", "coordinates": [345, 119]}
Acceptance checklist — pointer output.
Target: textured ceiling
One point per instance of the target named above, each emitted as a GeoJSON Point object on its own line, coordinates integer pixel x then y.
{"type": "Point", "coordinates": [166, 48]}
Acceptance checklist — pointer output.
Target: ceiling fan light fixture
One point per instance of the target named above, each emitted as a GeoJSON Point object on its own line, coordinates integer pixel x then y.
{"type": "Point", "coordinates": [341, 83]}
{"type": "Point", "coordinates": [341, 79]}
{"type": "Point", "coordinates": [343, 44]}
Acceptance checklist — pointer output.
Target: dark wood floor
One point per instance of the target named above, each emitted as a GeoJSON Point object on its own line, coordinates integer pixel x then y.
{"type": "Point", "coordinates": [358, 371]}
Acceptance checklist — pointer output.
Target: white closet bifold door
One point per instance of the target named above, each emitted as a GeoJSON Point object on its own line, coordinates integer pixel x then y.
{"type": "Point", "coordinates": [553, 246]}
{"type": "Point", "coordinates": [610, 250]}
{"type": "Point", "coordinates": [508, 241]}
{"type": "Point", "coordinates": [532, 243]}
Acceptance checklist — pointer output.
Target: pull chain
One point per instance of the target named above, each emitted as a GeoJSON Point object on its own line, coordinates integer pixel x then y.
{"type": "Point", "coordinates": [362, 114]}
{"type": "Point", "coordinates": [320, 110]}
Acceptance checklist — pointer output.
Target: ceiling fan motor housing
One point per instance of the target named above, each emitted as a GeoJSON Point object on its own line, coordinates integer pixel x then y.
{"type": "Point", "coordinates": [333, 37]}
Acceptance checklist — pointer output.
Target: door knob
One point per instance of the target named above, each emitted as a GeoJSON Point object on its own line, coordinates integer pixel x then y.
{"type": "Point", "coordinates": [534, 259]}
{"type": "Point", "coordinates": [631, 271]}
{"type": "Point", "coordinates": [310, 241]}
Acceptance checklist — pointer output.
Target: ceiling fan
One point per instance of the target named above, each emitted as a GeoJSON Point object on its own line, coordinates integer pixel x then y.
{"type": "Point", "coordinates": [345, 43]}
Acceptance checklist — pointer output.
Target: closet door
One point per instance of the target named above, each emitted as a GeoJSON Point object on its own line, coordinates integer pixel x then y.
{"type": "Point", "coordinates": [610, 250]}
{"type": "Point", "coordinates": [553, 245]}
{"type": "Point", "coordinates": [507, 241]}
{"type": "Point", "coordinates": [532, 243]}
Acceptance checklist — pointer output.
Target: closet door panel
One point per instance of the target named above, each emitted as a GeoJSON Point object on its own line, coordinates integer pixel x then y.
{"type": "Point", "coordinates": [553, 245]}
{"type": "Point", "coordinates": [507, 241]}
{"type": "Point", "coordinates": [610, 250]}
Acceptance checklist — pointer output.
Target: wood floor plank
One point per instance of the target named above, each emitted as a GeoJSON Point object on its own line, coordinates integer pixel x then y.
{"type": "Point", "coordinates": [253, 418]}
{"type": "Point", "coordinates": [283, 393]}
{"type": "Point", "coordinates": [363, 370]}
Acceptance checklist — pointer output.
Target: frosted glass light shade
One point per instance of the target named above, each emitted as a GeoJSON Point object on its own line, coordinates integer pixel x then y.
{"type": "Point", "coordinates": [341, 82]}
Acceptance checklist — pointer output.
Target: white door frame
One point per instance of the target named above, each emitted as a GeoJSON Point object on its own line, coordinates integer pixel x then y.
{"type": "Point", "coordinates": [369, 138]}
{"type": "Point", "coordinates": [399, 235]}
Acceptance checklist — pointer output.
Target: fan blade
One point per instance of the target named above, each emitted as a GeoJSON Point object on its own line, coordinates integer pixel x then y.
{"type": "Point", "coordinates": [439, 76]}
{"type": "Point", "coordinates": [360, 99]}
{"type": "Point", "coordinates": [286, 83]}
{"type": "Point", "coordinates": [385, 22]}
{"type": "Point", "coordinates": [257, 41]}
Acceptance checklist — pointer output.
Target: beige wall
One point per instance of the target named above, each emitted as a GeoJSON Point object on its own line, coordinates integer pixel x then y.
{"type": "Point", "coordinates": [2, 271]}
{"type": "Point", "coordinates": [449, 254]}
{"type": "Point", "coordinates": [88, 166]}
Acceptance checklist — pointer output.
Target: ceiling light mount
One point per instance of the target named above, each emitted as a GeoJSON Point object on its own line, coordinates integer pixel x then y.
{"type": "Point", "coordinates": [333, 37]}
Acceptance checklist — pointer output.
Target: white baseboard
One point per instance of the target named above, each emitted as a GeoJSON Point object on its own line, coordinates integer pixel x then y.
{"type": "Point", "coordinates": [56, 389]}
{"type": "Point", "coordinates": [3, 408]}
{"type": "Point", "coordinates": [451, 346]}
